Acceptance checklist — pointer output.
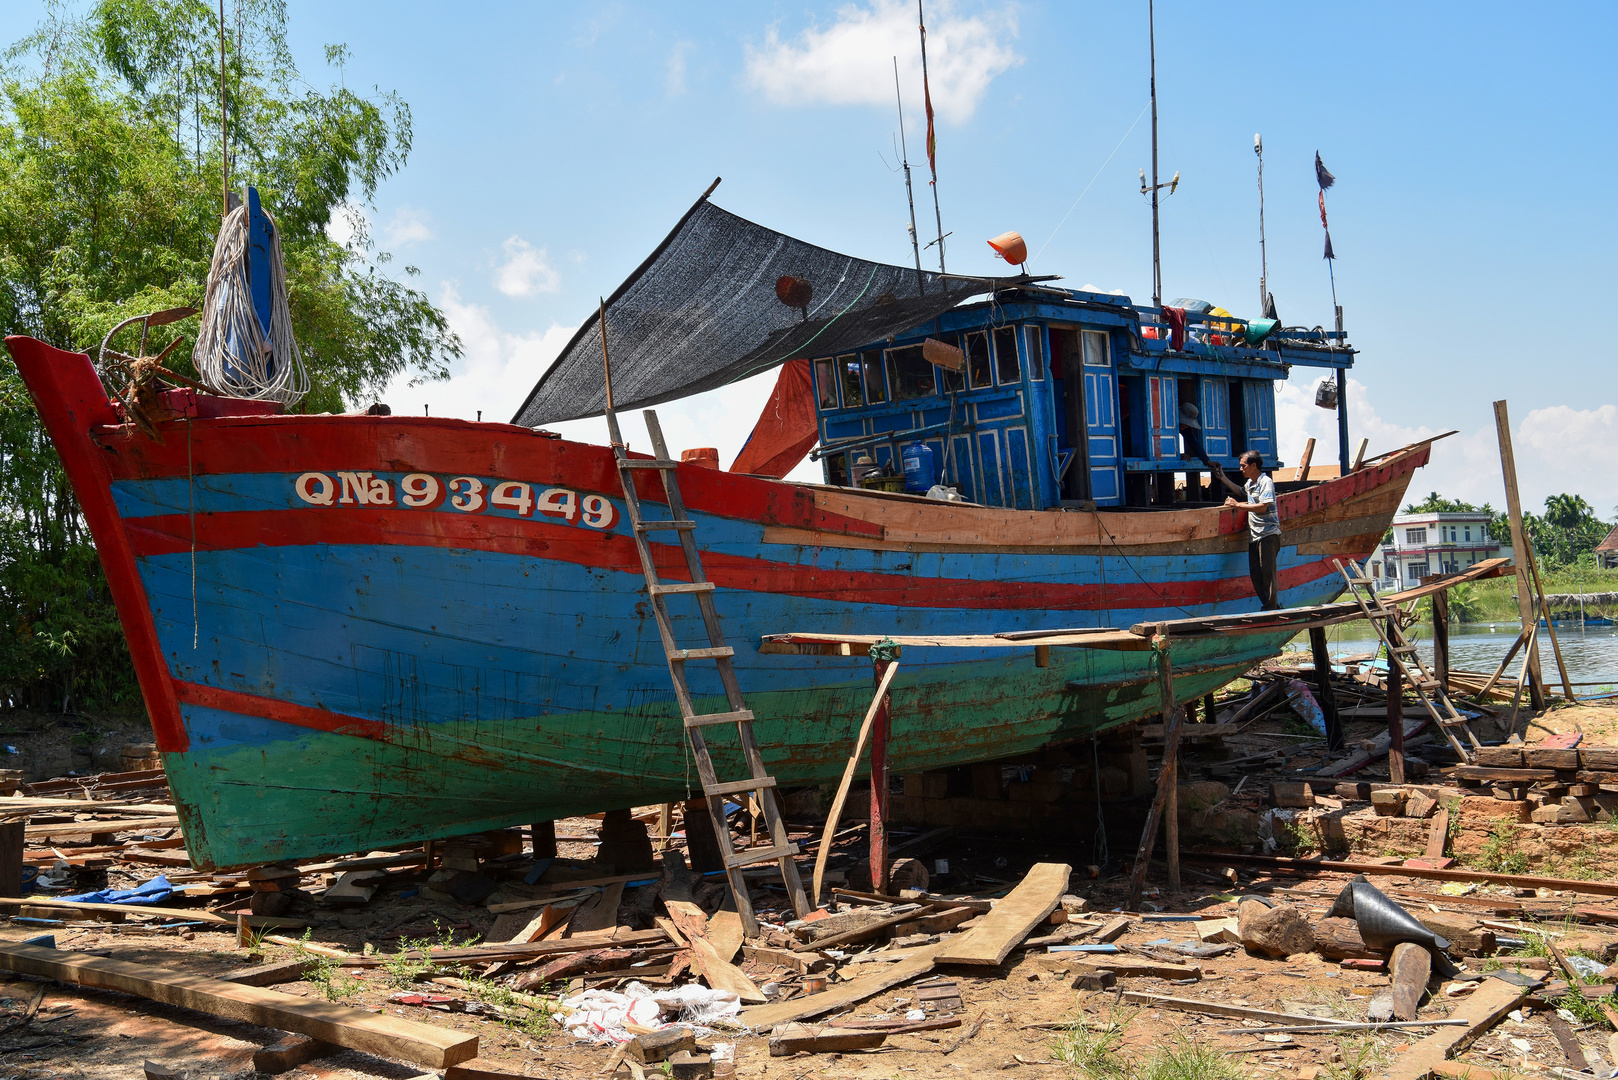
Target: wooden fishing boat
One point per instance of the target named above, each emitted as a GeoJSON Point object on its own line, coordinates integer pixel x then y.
{"type": "Point", "coordinates": [357, 630]}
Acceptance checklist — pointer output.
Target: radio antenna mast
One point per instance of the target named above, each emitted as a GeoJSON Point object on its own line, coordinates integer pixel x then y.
{"type": "Point", "coordinates": [910, 197]}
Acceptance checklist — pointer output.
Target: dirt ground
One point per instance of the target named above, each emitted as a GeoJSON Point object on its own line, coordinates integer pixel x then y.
{"type": "Point", "coordinates": [95, 1034]}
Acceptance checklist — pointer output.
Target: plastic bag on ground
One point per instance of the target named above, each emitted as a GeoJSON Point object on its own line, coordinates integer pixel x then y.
{"type": "Point", "coordinates": [599, 1015]}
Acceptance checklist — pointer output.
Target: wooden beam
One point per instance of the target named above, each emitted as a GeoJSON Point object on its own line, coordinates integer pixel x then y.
{"type": "Point", "coordinates": [1591, 888]}
{"type": "Point", "coordinates": [1214, 1008]}
{"type": "Point", "coordinates": [1482, 1009]}
{"type": "Point", "coordinates": [1441, 641]}
{"type": "Point", "coordinates": [1519, 538]}
{"type": "Point", "coordinates": [192, 914]}
{"type": "Point", "coordinates": [340, 1025]}
{"type": "Point", "coordinates": [1013, 918]}
{"type": "Point", "coordinates": [843, 995]}
{"type": "Point", "coordinates": [1396, 718]}
{"type": "Point", "coordinates": [11, 858]}
{"type": "Point", "coordinates": [848, 780]}
{"type": "Point", "coordinates": [1323, 688]}
{"type": "Point", "coordinates": [1411, 967]}
{"type": "Point", "coordinates": [880, 728]}
{"type": "Point", "coordinates": [1166, 782]}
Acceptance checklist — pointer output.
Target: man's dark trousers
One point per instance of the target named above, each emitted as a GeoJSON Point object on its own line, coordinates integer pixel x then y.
{"type": "Point", "coordinates": [1261, 559]}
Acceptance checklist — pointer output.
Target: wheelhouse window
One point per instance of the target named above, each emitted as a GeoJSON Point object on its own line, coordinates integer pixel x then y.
{"type": "Point", "coordinates": [871, 362]}
{"type": "Point", "coordinates": [953, 381]}
{"type": "Point", "coordinates": [1415, 536]}
{"type": "Point", "coordinates": [977, 360]}
{"type": "Point", "coordinates": [1006, 366]}
{"type": "Point", "coordinates": [849, 367]}
{"type": "Point", "coordinates": [910, 376]}
{"type": "Point", "coordinates": [1096, 349]}
{"type": "Point", "coordinates": [1035, 336]}
{"type": "Point", "coordinates": [826, 384]}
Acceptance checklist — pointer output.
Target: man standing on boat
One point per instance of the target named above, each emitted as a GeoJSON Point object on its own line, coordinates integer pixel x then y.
{"type": "Point", "coordinates": [1263, 530]}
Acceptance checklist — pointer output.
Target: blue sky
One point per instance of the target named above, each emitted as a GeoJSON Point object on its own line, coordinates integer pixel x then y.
{"type": "Point", "coordinates": [556, 144]}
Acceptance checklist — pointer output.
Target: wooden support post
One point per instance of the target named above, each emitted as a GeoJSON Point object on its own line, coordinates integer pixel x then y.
{"type": "Point", "coordinates": [1166, 781]}
{"type": "Point", "coordinates": [880, 726]}
{"type": "Point", "coordinates": [1359, 455]}
{"type": "Point", "coordinates": [543, 834]}
{"type": "Point", "coordinates": [1323, 688]}
{"type": "Point", "coordinates": [1396, 724]}
{"type": "Point", "coordinates": [701, 842]}
{"type": "Point", "coordinates": [1303, 462]}
{"type": "Point", "coordinates": [1521, 554]}
{"type": "Point", "coordinates": [1208, 709]}
{"type": "Point", "coordinates": [1441, 640]}
{"type": "Point", "coordinates": [12, 835]}
{"type": "Point", "coordinates": [1544, 610]}
{"type": "Point", "coordinates": [665, 825]}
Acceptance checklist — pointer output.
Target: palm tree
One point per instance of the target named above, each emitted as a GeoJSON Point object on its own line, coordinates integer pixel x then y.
{"type": "Point", "coordinates": [1567, 511]}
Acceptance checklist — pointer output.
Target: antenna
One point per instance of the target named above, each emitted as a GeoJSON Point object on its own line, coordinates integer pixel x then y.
{"type": "Point", "coordinates": [1154, 187]}
{"type": "Point", "coordinates": [910, 196]}
{"type": "Point", "coordinates": [1263, 260]}
{"type": "Point", "coordinates": [1157, 263]}
{"type": "Point", "coordinates": [932, 157]}
{"type": "Point", "coordinates": [224, 129]}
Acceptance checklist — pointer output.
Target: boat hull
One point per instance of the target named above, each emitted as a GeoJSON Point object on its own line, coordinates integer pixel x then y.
{"type": "Point", "coordinates": [353, 631]}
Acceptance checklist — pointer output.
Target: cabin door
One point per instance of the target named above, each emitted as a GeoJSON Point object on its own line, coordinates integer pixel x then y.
{"type": "Point", "coordinates": [1258, 409]}
{"type": "Point", "coordinates": [1101, 418]}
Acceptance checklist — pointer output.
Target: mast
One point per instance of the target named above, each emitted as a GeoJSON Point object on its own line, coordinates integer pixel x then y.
{"type": "Point", "coordinates": [932, 160]}
{"type": "Point", "coordinates": [1263, 261]}
{"type": "Point", "coordinates": [910, 197]}
{"type": "Point", "coordinates": [1157, 265]}
{"type": "Point", "coordinates": [224, 129]}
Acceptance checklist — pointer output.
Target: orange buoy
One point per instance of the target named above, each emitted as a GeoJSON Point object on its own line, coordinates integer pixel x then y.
{"type": "Point", "coordinates": [705, 456]}
{"type": "Point", "coordinates": [1010, 247]}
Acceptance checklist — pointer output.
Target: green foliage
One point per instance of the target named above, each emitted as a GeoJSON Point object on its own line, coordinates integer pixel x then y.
{"type": "Point", "coordinates": [1185, 1059]}
{"type": "Point", "coordinates": [110, 196]}
{"type": "Point", "coordinates": [1435, 503]}
{"type": "Point", "coordinates": [326, 972]}
{"type": "Point", "coordinates": [1500, 853]}
{"type": "Point", "coordinates": [402, 970]}
{"type": "Point", "coordinates": [1095, 1047]}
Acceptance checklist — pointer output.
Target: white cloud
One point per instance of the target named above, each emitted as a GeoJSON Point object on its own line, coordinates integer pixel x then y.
{"type": "Point", "coordinates": [499, 368]}
{"type": "Point", "coordinates": [1557, 449]}
{"type": "Point", "coordinates": [525, 271]}
{"type": "Point", "coordinates": [407, 226]}
{"type": "Point", "coordinates": [349, 225]}
{"type": "Point", "coordinates": [675, 80]}
{"type": "Point", "coordinates": [851, 62]}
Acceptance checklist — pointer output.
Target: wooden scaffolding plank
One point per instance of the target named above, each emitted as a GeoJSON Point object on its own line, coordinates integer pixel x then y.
{"type": "Point", "coordinates": [340, 1025]}
{"type": "Point", "coordinates": [1012, 919]}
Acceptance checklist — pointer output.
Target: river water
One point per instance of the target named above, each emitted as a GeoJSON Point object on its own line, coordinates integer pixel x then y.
{"type": "Point", "coordinates": [1590, 652]}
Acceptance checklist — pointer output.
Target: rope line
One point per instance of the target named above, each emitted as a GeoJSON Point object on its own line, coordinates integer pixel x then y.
{"type": "Point", "coordinates": [232, 354]}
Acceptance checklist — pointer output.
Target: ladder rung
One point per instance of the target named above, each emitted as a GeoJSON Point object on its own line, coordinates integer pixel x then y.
{"type": "Point", "coordinates": [758, 855]}
{"type": "Point", "coordinates": [681, 587]}
{"type": "Point", "coordinates": [741, 716]}
{"type": "Point", "coordinates": [1424, 684]}
{"type": "Point", "coordinates": [702, 654]}
{"type": "Point", "coordinates": [646, 463]}
{"type": "Point", "coordinates": [735, 787]}
{"type": "Point", "coordinates": [649, 526]}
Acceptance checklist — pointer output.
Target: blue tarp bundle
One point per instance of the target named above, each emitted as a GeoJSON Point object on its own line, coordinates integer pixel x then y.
{"type": "Point", "coordinates": [154, 891]}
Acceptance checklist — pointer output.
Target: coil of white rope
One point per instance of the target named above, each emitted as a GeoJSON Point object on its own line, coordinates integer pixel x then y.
{"type": "Point", "coordinates": [232, 354]}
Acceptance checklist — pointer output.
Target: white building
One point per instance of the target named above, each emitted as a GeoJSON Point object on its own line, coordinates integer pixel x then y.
{"type": "Point", "coordinates": [1433, 543]}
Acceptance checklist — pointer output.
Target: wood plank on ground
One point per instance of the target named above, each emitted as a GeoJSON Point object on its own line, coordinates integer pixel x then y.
{"type": "Point", "coordinates": [340, 1025]}
{"type": "Point", "coordinates": [843, 995]}
{"type": "Point", "coordinates": [1012, 919]}
{"type": "Point", "coordinates": [1482, 1009]}
{"type": "Point", "coordinates": [193, 914]}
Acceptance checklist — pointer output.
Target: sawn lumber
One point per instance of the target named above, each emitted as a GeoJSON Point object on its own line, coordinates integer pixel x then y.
{"type": "Point", "coordinates": [1592, 888]}
{"type": "Point", "coordinates": [1012, 919]}
{"type": "Point", "coordinates": [1483, 1008]}
{"type": "Point", "coordinates": [340, 1025]}
{"type": "Point", "coordinates": [192, 914]}
{"type": "Point", "coordinates": [841, 996]}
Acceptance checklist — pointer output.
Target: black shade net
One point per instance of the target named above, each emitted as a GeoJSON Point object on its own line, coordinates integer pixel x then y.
{"type": "Point", "coordinates": [722, 299]}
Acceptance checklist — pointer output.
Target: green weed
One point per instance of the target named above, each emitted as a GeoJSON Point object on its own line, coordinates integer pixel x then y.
{"type": "Point", "coordinates": [326, 973]}
{"type": "Point", "coordinates": [1500, 853]}
{"type": "Point", "coordinates": [400, 969]}
{"type": "Point", "coordinates": [1183, 1059]}
{"type": "Point", "coordinates": [1358, 1057]}
{"type": "Point", "coordinates": [1094, 1048]}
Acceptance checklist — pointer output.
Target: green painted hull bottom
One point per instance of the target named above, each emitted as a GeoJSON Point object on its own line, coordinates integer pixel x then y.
{"type": "Point", "coordinates": [317, 791]}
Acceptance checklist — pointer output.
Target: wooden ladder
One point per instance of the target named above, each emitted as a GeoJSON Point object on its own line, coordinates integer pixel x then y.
{"type": "Point", "coordinates": [1407, 659]}
{"type": "Point", "coordinates": [758, 783]}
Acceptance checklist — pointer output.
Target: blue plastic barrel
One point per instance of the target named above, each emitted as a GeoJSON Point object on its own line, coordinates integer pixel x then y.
{"type": "Point", "coordinates": [918, 467]}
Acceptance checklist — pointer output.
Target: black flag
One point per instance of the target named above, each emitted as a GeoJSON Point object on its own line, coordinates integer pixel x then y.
{"type": "Point", "coordinates": [1322, 176]}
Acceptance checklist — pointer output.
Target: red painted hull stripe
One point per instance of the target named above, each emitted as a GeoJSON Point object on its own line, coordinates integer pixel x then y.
{"type": "Point", "coordinates": [171, 534]}
{"type": "Point", "coordinates": [283, 712]}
